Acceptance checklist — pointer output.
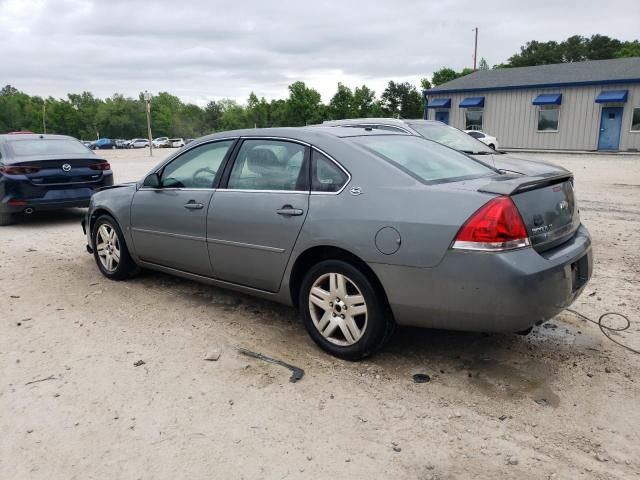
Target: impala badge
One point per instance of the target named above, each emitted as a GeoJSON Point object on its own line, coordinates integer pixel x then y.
{"type": "Point", "coordinates": [66, 167]}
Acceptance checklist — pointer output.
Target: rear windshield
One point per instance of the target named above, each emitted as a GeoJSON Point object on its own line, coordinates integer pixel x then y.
{"type": "Point", "coordinates": [452, 137]}
{"type": "Point", "coordinates": [46, 146]}
{"type": "Point", "coordinates": [427, 161]}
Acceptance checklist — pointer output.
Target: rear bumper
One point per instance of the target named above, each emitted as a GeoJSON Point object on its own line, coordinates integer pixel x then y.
{"type": "Point", "coordinates": [16, 197]}
{"type": "Point", "coordinates": [490, 292]}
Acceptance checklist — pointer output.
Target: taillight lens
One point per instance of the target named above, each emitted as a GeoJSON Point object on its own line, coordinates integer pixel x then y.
{"type": "Point", "coordinates": [497, 226]}
{"type": "Point", "coordinates": [18, 170]}
{"type": "Point", "coordinates": [101, 166]}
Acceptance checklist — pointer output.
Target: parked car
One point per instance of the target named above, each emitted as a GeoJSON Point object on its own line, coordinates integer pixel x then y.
{"type": "Point", "coordinates": [121, 143]}
{"type": "Point", "coordinates": [88, 143]}
{"type": "Point", "coordinates": [138, 143]}
{"type": "Point", "coordinates": [47, 172]}
{"type": "Point", "coordinates": [360, 228]}
{"type": "Point", "coordinates": [453, 138]}
{"type": "Point", "coordinates": [104, 144]}
{"type": "Point", "coordinates": [160, 142]}
{"type": "Point", "coordinates": [488, 140]}
{"type": "Point", "coordinates": [176, 142]}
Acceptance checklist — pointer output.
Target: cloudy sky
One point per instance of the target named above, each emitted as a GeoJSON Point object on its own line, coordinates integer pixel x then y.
{"type": "Point", "coordinates": [211, 49]}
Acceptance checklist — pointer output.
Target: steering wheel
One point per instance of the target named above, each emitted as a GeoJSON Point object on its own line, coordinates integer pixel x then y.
{"type": "Point", "coordinates": [203, 181]}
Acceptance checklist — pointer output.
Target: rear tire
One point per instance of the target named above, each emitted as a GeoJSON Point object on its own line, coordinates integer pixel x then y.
{"type": "Point", "coordinates": [343, 311]}
{"type": "Point", "coordinates": [6, 219]}
{"type": "Point", "coordinates": [110, 250]}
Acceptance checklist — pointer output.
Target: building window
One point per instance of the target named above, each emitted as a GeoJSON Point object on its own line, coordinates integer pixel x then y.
{"type": "Point", "coordinates": [548, 119]}
{"type": "Point", "coordinates": [473, 119]}
{"type": "Point", "coordinates": [635, 120]}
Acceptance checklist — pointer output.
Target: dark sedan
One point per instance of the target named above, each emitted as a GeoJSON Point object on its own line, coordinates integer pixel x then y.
{"type": "Point", "coordinates": [47, 172]}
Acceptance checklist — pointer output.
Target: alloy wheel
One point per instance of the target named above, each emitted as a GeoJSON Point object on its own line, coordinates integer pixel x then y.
{"type": "Point", "coordinates": [108, 247]}
{"type": "Point", "coordinates": [338, 309]}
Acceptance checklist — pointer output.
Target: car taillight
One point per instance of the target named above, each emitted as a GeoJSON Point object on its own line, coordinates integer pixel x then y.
{"type": "Point", "coordinates": [18, 170]}
{"type": "Point", "coordinates": [497, 226]}
{"type": "Point", "coordinates": [101, 166]}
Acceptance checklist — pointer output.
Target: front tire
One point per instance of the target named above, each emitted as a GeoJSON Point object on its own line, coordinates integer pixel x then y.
{"type": "Point", "coordinates": [343, 311]}
{"type": "Point", "coordinates": [110, 250]}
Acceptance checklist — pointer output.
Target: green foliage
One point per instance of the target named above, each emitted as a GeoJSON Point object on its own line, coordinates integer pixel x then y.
{"type": "Point", "coordinates": [629, 49]}
{"type": "Point", "coordinates": [304, 106]}
{"type": "Point", "coordinates": [342, 104]}
{"type": "Point", "coordinates": [446, 74]}
{"type": "Point", "coordinates": [483, 64]}
{"type": "Point", "coordinates": [402, 99]}
{"type": "Point", "coordinates": [574, 49]}
{"type": "Point", "coordinates": [425, 84]}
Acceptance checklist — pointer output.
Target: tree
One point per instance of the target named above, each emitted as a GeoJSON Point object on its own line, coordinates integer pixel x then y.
{"type": "Point", "coordinates": [629, 49]}
{"type": "Point", "coordinates": [537, 53]}
{"type": "Point", "coordinates": [364, 102]}
{"type": "Point", "coordinates": [257, 112]}
{"type": "Point", "coordinates": [402, 99]}
{"type": "Point", "coordinates": [446, 74]}
{"type": "Point", "coordinates": [341, 104]}
{"type": "Point", "coordinates": [601, 47]}
{"type": "Point", "coordinates": [483, 65]}
{"type": "Point", "coordinates": [303, 105]}
{"type": "Point", "coordinates": [425, 84]}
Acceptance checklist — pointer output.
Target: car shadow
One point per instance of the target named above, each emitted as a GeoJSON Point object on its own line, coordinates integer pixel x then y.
{"type": "Point", "coordinates": [46, 218]}
{"type": "Point", "coordinates": [503, 366]}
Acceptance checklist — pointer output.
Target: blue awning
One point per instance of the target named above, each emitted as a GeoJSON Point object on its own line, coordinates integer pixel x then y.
{"type": "Point", "coordinates": [548, 99]}
{"type": "Point", "coordinates": [612, 96]}
{"type": "Point", "coordinates": [470, 102]}
{"type": "Point", "coordinates": [440, 103]}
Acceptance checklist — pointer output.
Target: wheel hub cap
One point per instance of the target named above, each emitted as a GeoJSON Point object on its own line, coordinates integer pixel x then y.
{"type": "Point", "coordinates": [338, 309]}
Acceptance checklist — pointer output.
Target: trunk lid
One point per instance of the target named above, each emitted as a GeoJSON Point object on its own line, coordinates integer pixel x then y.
{"type": "Point", "coordinates": [546, 203]}
{"type": "Point", "coordinates": [62, 169]}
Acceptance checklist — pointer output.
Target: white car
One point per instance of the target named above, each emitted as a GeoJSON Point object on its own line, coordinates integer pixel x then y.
{"type": "Point", "coordinates": [160, 142]}
{"type": "Point", "coordinates": [176, 142]}
{"type": "Point", "coordinates": [492, 142]}
{"type": "Point", "coordinates": [138, 143]}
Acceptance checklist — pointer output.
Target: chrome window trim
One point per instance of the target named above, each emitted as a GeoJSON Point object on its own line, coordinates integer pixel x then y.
{"type": "Point", "coordinates": [237, 190]}
{"type": "Point", "coordinates": [177, 189]}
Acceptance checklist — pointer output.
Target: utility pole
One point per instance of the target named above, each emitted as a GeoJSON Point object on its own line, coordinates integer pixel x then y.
{"type": "Point", "coordinates": [475, 50]}
{"type": "Point", "coordinates": [147, 101]}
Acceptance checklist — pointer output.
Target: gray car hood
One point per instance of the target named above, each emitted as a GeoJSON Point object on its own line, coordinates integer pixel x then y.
{"type": "Point", "coordinates": [510, 164]}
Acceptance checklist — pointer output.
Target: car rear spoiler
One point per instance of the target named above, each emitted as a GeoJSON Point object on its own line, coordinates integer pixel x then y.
{"type": "Point", "coordinates": [510, 185]}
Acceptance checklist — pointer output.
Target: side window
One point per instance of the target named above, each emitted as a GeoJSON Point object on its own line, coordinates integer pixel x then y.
{"type": "Point", "coordinates": [326, 176]}
{"type": "Point", "coordinates": [196, 168]}
{"type": "Point", "coordinates": [269, 165]}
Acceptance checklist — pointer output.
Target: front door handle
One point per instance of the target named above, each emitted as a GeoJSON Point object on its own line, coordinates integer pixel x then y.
{"type": "Point", "coordinates": [289, 211]}
{"type": "Point", "coordinates": [193, 205]}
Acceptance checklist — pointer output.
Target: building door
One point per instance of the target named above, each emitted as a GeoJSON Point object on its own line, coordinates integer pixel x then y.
{"type": "Point", "coordinates": [610, 125]}
{"type": "Point", "coordinates": [442, 117]}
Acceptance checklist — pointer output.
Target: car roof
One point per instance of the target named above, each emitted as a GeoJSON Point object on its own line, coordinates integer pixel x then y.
{"type": "Point", "coordinates": [309, 134]}
{"type": "Point", "coordinates": [33, 136]}
{"type": "Point", "coordinates": [382, 120]}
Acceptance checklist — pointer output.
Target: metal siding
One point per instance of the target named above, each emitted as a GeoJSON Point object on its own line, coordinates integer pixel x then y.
{"type": "Point", "coordinates": [510, 116]}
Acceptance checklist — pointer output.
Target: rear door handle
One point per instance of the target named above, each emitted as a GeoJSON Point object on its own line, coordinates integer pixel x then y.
{"type": "Point", "coordinates": [289, 211]}
{"type": "Point", "coordinates": [193, 205]}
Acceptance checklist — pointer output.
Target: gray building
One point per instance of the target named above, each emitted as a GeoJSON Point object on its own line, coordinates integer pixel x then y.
{"type": "Point", "coordinates": [592, 105]}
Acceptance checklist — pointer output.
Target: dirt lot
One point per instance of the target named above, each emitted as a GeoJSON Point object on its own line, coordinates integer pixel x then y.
{"type": "Point", "coordinates": [561, 403]}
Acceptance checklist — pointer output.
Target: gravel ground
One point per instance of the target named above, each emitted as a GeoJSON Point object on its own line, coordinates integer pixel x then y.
{"type": "Point", "coordinates": [560, 403]}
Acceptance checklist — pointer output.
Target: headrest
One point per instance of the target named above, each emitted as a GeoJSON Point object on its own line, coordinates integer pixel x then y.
{"type": "Point", "coordinates": [264, 161]}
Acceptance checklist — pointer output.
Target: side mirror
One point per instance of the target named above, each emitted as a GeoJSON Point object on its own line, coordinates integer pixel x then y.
{"type": "Point", "coordinates": [152, 180]}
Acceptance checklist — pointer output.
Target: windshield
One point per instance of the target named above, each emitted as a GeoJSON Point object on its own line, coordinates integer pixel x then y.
{"type": "Point", "coordinates": [451, 137]}
{"type": "Point", "coordinates": [426, 161]}
{"type": "Point", "coordinates": [46, 146]}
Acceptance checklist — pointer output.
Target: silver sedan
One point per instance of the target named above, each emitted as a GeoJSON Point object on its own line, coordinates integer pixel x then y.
{"type": "Point", "coordinates": [360, 229]}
